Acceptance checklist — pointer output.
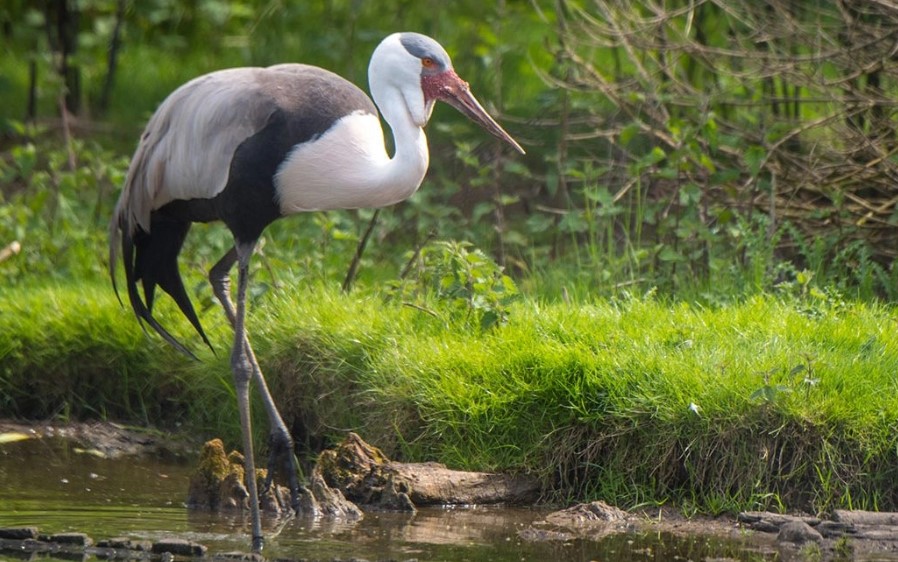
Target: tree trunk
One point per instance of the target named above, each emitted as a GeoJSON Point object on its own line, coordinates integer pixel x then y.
{"type": "Point", "coordinates": [62, 18]}
{"type": "Point", "coordinates": [112, 61]}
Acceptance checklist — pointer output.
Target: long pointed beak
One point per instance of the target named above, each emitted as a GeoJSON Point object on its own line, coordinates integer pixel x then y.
{"type": "Point", "coordinates": [457, 93]}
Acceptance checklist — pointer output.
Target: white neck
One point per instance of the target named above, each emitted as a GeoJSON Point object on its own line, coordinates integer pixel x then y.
{"type": "Point", "coordinates": [408, 165]}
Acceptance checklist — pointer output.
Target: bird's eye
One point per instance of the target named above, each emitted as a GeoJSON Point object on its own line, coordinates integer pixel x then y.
{"type": "Point", "coordinates": [427, 62]}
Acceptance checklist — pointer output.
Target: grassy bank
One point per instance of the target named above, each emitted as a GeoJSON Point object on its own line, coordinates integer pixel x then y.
{"type": "Point", "coordinates": [771, 402]}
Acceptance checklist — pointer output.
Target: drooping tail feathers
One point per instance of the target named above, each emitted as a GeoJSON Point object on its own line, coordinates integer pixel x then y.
{"type": "Point", "coordinates": [151, 257]}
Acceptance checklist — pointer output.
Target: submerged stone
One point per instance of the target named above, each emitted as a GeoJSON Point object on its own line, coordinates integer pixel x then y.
{"type": "Point", "coordinates": [178, 547]}
{"type": "Point", "coordinates": [125, 543]}
{"type": "Point", "coordinates": [594, 512]}
{"type": "Point", "coordinates": [238, 557]}
{"type": "Point", "coordinates": [798, 532]}
{"type": "Point", "coordinates": [18, 533]}
{"type": "Point", "coordinates": [76, 539]}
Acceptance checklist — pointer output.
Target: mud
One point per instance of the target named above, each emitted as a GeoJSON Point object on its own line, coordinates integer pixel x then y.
{"type": "Point", "coordinates": [107, 439]}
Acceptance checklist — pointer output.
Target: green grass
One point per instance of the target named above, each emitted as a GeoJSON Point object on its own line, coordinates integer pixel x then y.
{"type": "Point", "coordinates": [771, 402]}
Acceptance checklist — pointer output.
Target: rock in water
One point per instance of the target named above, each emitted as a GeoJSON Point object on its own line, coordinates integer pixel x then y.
{"type": "Point", "coordinates": [360, 471]}
{"type": "Point", "coordinates": [798, 532]}
{"type": "Point", "coordinates": [353, 473]}
{"type": "Point", "coordinates": [320, 500]}
{"type": "Point", "coordinates": [219, 483]}
{"type": "Point", "coordinates": [18, 533]}
{"type": "Point", "coordinates": [585, 513]}
{"type": "Point", "coordinates": [179, 547]}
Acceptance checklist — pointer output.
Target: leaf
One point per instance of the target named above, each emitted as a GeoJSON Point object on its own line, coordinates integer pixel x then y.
{"type": "Point", "coordinates": [599, 194]}
{"type": "Point", "coordinates": [628, 132]}
{"type": "Point", "coordinates": [725, 176]}
{"type": "Point", "coordinates": [668, 254]}
{"type": "Point", "coordinates": [506, 200]}
{"type": "Point", "coordinates": [13, 437]}
{"type": "Point", "coordinates": [760, 394]}
{"type": "Point", "coordinates": [489, 319]}
{"type": "Point", "coordinates": [707, 163]}
{"type": "Point", "coordinates": [656, 155]}
{"type": "Point", "coordinates": [573, 222]}
{"type": "Point", "coordinates": [552, 182]}
{"type": "Point", "coordinates": [516, 167]}
{"type": "Point", "coordinates": [690, 194]}
{"type": "Point", "coordinates": [754, 157]}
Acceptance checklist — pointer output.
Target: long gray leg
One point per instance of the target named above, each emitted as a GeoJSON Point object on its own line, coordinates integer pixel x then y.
{"type": "Point", "coordinates": [280, 440]}
{"type": "Point", "coordinates": [242, 368]}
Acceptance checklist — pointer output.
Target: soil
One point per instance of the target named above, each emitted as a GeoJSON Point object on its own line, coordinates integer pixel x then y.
{"type": "Point", "coordinates": [107, 439]}
{"type": "Point", "coordinates": [857, 532]}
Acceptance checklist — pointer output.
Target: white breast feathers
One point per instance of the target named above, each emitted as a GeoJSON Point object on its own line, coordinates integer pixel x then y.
{"type": "Point", "coordinates": [348, 168]}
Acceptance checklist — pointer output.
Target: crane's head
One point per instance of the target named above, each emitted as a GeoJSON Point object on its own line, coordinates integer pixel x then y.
{"type": "Point", "coordinates": [418, 69]}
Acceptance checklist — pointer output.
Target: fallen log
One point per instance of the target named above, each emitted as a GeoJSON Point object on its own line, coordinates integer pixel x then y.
{"type": "Point", "coordinates": [367, 477]}
{"type": "Point", "coordinates": [859, 517]}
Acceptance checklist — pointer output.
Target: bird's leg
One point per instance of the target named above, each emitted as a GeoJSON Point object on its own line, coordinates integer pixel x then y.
{"type": "Point", "coordinates": [242, 369]}
{"type": "Point", "coordinates": [219, 278]}
{"type": "Point", "coordinates": [280, 440]}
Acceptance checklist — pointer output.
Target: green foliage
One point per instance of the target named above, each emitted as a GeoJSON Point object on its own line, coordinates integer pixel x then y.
{"type": "Point", "coordinates": [716, 162]}
{"type": "Point", "coordinates": [56, 202]}
{"type": "Point", "coordinates": [466, 283]}
{"type": "Point", "coordinates": [771, 391]}
{"type": "Point", "coordinates": [644, 169]}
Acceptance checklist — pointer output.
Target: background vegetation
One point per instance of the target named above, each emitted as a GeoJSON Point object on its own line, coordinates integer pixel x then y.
{"type": "Point", "coordinates": [677, 294]}
{"type": "Point", "coordinates": [670, 142]}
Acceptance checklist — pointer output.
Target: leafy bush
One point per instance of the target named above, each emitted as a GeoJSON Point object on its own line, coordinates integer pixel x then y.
{"type": "Point", "coordinates": [56, 201]}
{"type": "Point", "coordinates": [470, 286]}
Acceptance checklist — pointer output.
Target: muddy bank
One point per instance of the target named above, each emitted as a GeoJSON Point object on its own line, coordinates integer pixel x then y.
{"type": "Point", "coordinates": [843, 536]}
{"type": "Point", "coordinates": [105, 439]}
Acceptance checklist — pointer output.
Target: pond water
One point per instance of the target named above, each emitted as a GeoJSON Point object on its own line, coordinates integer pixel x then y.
{"type": "Point", "coordinates": [52, 485]}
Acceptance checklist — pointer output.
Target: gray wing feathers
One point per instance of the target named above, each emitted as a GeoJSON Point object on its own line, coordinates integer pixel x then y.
{"type": "Point", "coordinates": [186, 149]}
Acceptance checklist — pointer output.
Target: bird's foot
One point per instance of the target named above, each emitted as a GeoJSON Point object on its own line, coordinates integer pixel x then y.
{"type": "Point", "coordinates": [258, 544]}
{"type": "Point", "coordinates": [281, 460]}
